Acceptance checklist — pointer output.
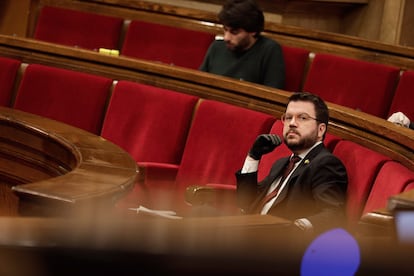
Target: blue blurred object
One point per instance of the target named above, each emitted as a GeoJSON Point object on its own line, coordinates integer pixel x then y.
{"type": "Point", "coordinates": [334, 252]}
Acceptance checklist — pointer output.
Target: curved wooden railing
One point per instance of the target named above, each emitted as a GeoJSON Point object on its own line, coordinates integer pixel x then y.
{"type": "Point", "coordinates": [55, 169]}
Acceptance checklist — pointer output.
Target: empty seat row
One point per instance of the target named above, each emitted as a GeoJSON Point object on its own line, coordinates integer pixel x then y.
{"type": "Point", "coordinates": [144, 40]}
{"type": "Point", "coordinates": [360, 85]}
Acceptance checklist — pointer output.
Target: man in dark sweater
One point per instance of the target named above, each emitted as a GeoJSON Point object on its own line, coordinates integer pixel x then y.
{"type": "Point", "coordinates": [242, 53]}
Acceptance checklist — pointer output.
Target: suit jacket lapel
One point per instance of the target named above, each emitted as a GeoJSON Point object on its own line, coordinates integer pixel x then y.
{"type": "Point", "coordinates": [274, 173]}
{"type": "Point", "coordinates": [303, 164]}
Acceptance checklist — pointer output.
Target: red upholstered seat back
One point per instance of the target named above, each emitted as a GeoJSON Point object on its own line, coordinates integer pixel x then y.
{"type": "Point", "coordinates": [75, 98]}
{"type": "Point", "coordinates": [219, 140]}
{"type": "Point", "coordinates": [409, 186]}
{"type": "Point", "coordinates": [282, 151]}
{"type": "Point", "coordinates": [362, 165]}
{"type": "Point", "coordinates": [76, 28]}
{"type": "Point", "coordinates": [392, 179]}
{"type": "Point", "coordinates": [166, 44]}
{"type": "Point", "coordinates": [357, 84]}
{"type": "Point", "coordinates": [8, 70]}
{"type": "Point", "coordinates": [404, 95]}
{"type": "Point", "coordinates": [295, 64]}
{"type": "Point", "coordinates": [149, 122]}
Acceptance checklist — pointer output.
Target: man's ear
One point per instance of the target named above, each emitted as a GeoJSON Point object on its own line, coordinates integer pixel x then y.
{"type": "Point", "coordinates": [321, 130]}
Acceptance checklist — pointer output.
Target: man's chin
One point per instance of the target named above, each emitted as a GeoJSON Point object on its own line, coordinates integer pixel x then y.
{"type": "Point", "coordinates": [294, 145]}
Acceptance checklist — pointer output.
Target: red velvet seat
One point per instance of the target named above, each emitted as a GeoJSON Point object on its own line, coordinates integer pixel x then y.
{"type": "Point", "coordinates": [166, 44]}
{"type": "Point", "coordinates": [8, 70]}
{"type": "Point", "coordinates": [357, 84]}
{"type": "Point", "coordinates": [76, 28]}
{"type": "Point", "coordinates": [404, 95]}
{"type": "Point", "coordinates": [409, 186]}
{"type": "Point", "coordinates": [295, 64]}
{"type": "Point", "coordinates": [217, 144]}
{"type": "Point", "coordinates": [362, 165]}
{"type": "Point", "coordinates": [75, 98]}
{"type": "Point", "coordinates": [392, 179]}
{"type": "Point", "coordinates": [149, 122]}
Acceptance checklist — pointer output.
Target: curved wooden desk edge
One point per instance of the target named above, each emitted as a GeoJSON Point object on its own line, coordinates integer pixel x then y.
{"type": "Point", "coordinates": [103, 172]}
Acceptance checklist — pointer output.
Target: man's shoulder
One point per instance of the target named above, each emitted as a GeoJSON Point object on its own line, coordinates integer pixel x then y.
{"type": "Point", "coordinates": [267, 45]}
{"type": "Point", "coordinates": [321, 152]}
{"type": "Point", "coordinates": [218, 42]}
{"type": "Point", "coordinates": [324, 157]}
{"type": "Point", "coordinates": [218, 45]}
{"type": "Point", "coordinates": [267, 41]}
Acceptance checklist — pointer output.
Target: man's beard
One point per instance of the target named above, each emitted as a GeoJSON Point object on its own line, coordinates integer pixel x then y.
{"type": "Point", "coordinates": [238, 48]}
{"type": "Point", "coordinates": [304, 143]}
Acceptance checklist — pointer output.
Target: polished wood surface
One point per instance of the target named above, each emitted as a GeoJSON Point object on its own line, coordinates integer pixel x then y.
{"type": "Point", "coordinates": [104, 244]}
{"type": "Point", "coordinates": [113, 245]}
{"type": "Point", "coordinates": [55, 168]}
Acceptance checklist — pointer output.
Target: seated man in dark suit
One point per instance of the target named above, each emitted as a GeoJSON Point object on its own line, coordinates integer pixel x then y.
{"type": "Point", "coordinates": [243, 53]}
{"type": "Point", "coordinates": [313, 193]}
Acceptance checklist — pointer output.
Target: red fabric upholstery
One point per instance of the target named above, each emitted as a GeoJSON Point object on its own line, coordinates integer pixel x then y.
{"type": "Point", "coordinates": [166, 44]}
{"type": "Point", "coordinates": [281, 151]}
{"type": "Point", "coordinates": [392, 179]}
{"type": "Point", "coordinates": [149, 122]}
{"type": "Point", "coordinates": [76, 28]}
{"type": "Point", "coordinates": [71, 97]}
{"type": "Point", "coordinates": [218, 142]}
{"type": "Point", "coordinates": [8, 70]}
{"type": "Point", "coordinates": [404, 95]}
{"type": "Point", "coordinates": [362, 165]}
{"type": "Point", "coordinates": [295, 63]}
{"type": "Point", "coordinates": [357, 84]}
{"type": "Point", "coordinates": [409, 187]}
{"type": "Point", "coordinates": [152, 124]}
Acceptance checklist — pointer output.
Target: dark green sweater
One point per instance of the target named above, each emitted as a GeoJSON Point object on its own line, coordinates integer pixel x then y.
{"type": "Point", "coordinates": [262, 63]}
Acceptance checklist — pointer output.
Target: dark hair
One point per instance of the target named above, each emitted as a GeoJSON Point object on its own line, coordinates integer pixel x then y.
{"type": "Point", "coordinates": [243, 14]}
{"type": "Point", "coordinates": [321, 109]}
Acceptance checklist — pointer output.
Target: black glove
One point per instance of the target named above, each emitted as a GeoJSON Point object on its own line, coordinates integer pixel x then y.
{"type": "Point", "coordinates": [264, 143]}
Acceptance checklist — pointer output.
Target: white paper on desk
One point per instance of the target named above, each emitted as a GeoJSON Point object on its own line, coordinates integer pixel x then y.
{"type": "Point", "coordinates": [159, 213]}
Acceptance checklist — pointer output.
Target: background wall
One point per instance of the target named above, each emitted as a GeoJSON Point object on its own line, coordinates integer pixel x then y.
{"type": "Point", "coordinates": [388, 21]}
{"type": "Point", "coordinates": [13, 16]}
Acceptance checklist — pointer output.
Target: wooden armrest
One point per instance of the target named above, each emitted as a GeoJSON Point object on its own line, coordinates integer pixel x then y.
{"type": "Point", "coordinates": [377, 223]}
{"type": "Point", "coordinates": [404, 200]}
{"type": "Point", "coordinates": [221, 196]}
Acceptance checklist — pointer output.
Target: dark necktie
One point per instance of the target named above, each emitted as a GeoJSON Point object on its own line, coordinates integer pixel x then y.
{"type": "Point", "coordinates": [286, 172]}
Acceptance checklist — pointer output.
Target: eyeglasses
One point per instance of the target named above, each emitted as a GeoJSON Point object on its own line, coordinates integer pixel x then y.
{"type": "Point", "coordinates": [301, 118]}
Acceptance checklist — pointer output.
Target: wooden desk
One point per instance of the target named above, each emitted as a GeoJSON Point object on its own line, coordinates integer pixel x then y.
{"type": "Point", "coordinates": [53, 167]}
{"type": "Point", "coordinates": [144, 245]}
{"type": "Point", "coordinates": [138, 245]}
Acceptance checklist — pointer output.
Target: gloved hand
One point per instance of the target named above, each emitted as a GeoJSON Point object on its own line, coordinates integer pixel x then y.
{"type": "Point", "coordinates": [399, 118]}
{"type": "Point", "coordinates": [264, 143]}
